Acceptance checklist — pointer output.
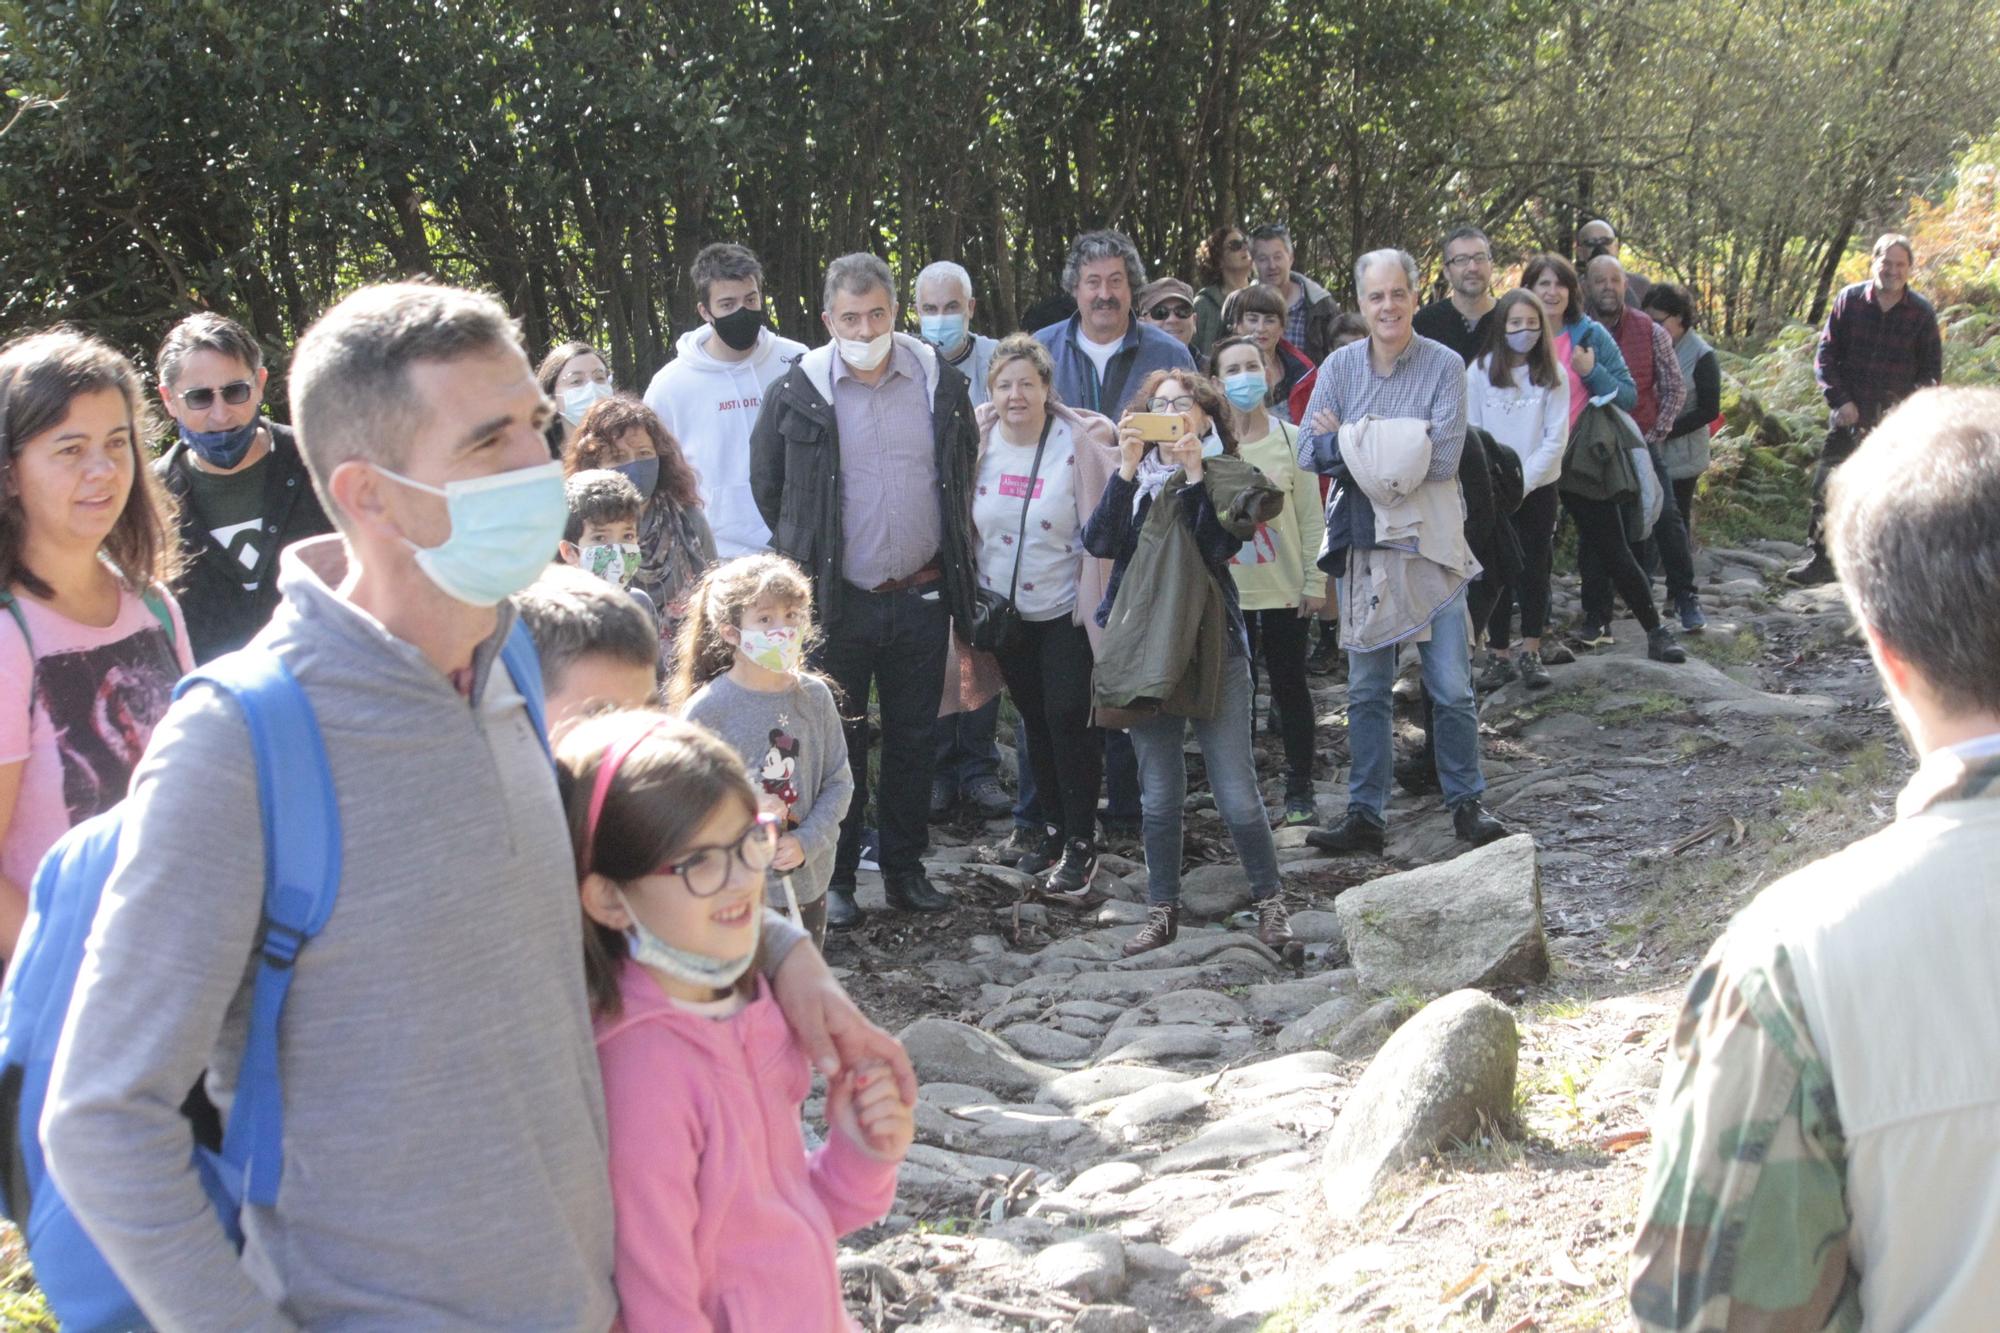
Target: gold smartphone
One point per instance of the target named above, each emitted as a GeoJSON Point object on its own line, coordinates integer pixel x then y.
{"type": "Point", "coordinates": [1158, 427]}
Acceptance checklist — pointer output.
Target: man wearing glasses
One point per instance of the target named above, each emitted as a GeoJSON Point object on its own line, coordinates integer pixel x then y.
{"type": "Point", "coordinates": [1168, 305]}
{"type": "Point", "coordinates": [243, 488]}
{"type": "Point", "coordinates": [1459, 319]}
{"type": "Point", "coordinates": [1310, 309]}
{"type": "Point", "coordinates": [1596, 238]}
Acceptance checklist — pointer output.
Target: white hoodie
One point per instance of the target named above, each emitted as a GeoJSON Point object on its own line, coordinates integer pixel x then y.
{"type": "Point", "coordinates": [710, 405]}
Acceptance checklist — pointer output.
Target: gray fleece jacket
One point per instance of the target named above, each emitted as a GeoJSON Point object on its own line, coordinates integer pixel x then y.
{"type": "Point", "coordinates": [444, 1158]}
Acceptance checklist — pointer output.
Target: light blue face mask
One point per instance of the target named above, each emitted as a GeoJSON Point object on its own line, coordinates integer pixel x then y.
{"type": "Point", "coordinates": [502, 530]}
{"type": "Point", "coordinates": [943, 332]}
{"type": "Point", "coordinates": [1211, 444]}
{"type": "Point", "coordinates": [697, 969]}
{"type": "Point", "coordinates": [1245, 389]}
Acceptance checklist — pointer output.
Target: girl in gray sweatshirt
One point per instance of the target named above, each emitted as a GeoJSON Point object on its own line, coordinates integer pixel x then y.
{"type": "Point", "coordinates": [740, 673]}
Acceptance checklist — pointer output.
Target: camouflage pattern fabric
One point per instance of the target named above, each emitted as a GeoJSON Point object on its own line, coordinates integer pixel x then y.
{"type": "Point", "coordinates": [1743, 1222]}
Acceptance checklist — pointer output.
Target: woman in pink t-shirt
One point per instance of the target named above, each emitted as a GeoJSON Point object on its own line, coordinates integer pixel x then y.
{"type": "Point", "coordinates": [90, 641]}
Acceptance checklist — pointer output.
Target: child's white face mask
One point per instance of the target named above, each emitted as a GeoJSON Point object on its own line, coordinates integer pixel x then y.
{"type": "Point", "coordinates": [781, 649]}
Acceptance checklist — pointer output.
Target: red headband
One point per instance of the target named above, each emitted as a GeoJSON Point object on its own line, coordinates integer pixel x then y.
{"type": "Point", "coordinates": [615, 755]}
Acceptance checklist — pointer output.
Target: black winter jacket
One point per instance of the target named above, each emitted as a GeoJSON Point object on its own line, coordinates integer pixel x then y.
{"type": "Point", "coordinates": [795, 475]}
{"type": "Point", "coordinates": [221, 616]}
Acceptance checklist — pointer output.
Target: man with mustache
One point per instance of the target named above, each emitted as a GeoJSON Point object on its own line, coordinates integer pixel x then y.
{"type": "Point", "coordinates": [1102, 352]}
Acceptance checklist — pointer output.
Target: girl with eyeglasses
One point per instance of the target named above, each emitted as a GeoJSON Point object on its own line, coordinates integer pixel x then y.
{"type": "Point", "coordinates": [91, 642]}
{"type": "Point", "coordinates": [721, 1219]}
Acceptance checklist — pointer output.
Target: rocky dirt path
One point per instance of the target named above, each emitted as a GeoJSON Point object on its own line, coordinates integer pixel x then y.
{"type": "Point", "coordinates": [1118, 1144]}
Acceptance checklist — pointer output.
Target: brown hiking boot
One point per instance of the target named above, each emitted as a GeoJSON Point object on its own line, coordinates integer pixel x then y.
{"type": "Point", "coordinates": [1163, 926]}
{"type": "Point", "coordinates": [1274, 924]}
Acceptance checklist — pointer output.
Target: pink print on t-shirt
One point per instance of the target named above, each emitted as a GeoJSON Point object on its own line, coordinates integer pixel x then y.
{"type": "Point", "coordinates": [1016, 488]}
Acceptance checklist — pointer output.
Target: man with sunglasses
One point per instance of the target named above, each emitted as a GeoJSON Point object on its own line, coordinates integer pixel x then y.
{"type": "Point", "coordinates": [1596, 238]}
{"type": "Point", "coordinates": [243, 489]}
{"type": "Point", "coordinates": [1459, 319]}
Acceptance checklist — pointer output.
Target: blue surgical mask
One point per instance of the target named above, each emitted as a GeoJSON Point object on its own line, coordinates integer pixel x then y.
{"type": "Point", "coordinates": [643, 473]}
{"type": "Point", "coordinates": [502, 531]}
{"type": "Point", "coordinates": [1246, 389]}
{"type": "Point", "coordinates": [1523, 340]}
{"type": "Point", "coordinates": [220, 448]}
{"type": "Point", "coordinates": [943, 332]}
{"type": "Point", "coordinates": [577, 401]}
{"type": "Point", "coordinates": [1211, 444]}
{"type": "Point", "coordinates": [697, 969]}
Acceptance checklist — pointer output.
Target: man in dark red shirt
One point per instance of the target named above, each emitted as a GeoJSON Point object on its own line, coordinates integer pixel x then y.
{"type": "Point", "coordinates": [1880, 345]}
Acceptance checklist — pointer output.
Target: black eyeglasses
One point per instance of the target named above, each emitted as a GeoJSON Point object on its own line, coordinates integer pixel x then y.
{"type": "Point", "coordinates": [1171, 310]}
{"type": "Point", "coordinates": [1184, 403]}
{"type": "Point", "coordinates": [235, 393]}
{"type": "Point", "coordinates": [1236, 243]}
{"type": "Point", "coordinates": [705, 871]}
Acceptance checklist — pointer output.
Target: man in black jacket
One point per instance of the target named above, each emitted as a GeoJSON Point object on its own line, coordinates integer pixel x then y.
{"type": "Point", "coordinates": [242, 487]}
{"type": "Point", "coordinates": [861, 462]}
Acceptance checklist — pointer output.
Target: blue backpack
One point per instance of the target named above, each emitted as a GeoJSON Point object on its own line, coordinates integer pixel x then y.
{"type": "Point", "coordinates": [301, 880]}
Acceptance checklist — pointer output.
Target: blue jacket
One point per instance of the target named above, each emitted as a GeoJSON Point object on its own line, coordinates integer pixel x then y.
{"type": "Point", "coordinates": [1145, 350]}
{"type": "Point", "coordinates": [1610, 374]}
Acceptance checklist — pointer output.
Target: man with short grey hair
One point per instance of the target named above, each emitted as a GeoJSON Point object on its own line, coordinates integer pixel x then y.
{"type": "Point", "coordinates": [1104, 351]}
{"type": "Point", "coordinates": [1826, 1148]}
{"type": "Point", "coordinates": [862, 464]}
{"type": "Point", "coordinates": [945, 309]}
{"type": "Point", "coordinates": [1404, 378]}
{"type": "Point", "coordinates": [438, 1025]}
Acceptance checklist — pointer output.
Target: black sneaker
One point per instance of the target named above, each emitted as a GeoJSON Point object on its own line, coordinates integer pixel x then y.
{"type": "Point", "coordinates": [1595, 636]}
{"type": "Point", "coordinates": [1473, 824]}
{"type": "Point", "coordinates": [1499, 671]}
{"type": "Point", "coordinates": [943, 798]}
{"type": "Point", "coordinates": [1073, 873]}
{"type": "Point", "coordinates": [1693, 619]}
{"type": "Point", "coordinates": [1533, 674]}
{"type": "Point", "coordinates": [1814, 570]}
{"type": "Point", "coordinates": [1325, 655]}
{"type": "Point", "coordinates": [1045, 854]}
{"type": "Point", "coordinates": [1354, 834]}
{"type": "Point", "coordinates": [1660, 646]}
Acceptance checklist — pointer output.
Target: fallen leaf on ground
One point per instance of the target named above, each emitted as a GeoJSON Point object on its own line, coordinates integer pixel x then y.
{"type": "Point", "coordinates": [1464, 1284]}
{"type": "Point", "coordinates": [1630, 1138]}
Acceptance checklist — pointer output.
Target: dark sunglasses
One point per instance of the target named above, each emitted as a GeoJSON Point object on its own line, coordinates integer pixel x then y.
{"type": "Point", "coordinates": [1237, 243]}
{"type": "Point", "coordinates": [235, 393]}
{"type": "Point", "coordinates": [1171, 310]}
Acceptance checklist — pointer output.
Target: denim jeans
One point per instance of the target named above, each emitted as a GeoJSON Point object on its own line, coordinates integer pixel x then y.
{"type": "Point", "coordinates": [966, 750]}
{"type": "Point", "coordinates": [894, 642]}
{"type": "Point", "coordinates": [1447, 667]}
{"type": "Point", "coordinates": [1232, 776]}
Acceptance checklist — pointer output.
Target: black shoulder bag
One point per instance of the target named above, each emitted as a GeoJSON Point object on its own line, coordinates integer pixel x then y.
{"type": "Point", "coordinates": [995, 622]}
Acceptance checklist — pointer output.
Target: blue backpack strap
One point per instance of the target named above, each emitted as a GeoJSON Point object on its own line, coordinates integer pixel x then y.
{"type": "Point", "coordinates": [301, 819]}
{"type": "Point", "coordinates": [524, 666]}
{"type": "Point", "coordinates": [13, 605]}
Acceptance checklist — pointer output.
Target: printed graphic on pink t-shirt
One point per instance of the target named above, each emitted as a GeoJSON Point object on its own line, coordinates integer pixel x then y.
{"type": "Point", "coordinates": [102, 704]}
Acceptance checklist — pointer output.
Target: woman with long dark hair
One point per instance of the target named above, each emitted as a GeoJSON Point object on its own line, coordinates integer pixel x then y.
{"type": "Point", "coordinates": [91, 642]}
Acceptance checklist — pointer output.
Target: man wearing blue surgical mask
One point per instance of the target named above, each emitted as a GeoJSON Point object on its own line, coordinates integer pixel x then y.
{"type": "Point", "coordinates": [441, 1008]}
{"type": "Point", "coordinates": [243, 488]}
{"type": "Point", "coordinates": [944, 320]}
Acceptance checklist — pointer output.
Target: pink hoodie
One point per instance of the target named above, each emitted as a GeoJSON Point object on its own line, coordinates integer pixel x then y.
{"type": "Point", "coordinates": [723, 1226]}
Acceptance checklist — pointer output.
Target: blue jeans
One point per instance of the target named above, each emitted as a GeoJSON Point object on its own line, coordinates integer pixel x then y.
{"type": "Point", "coordinates": [1232, 777]}
{"type": "Point", "coordinates": [1447, 663]}
{"type": "Point", "coordinates": [966, 751]}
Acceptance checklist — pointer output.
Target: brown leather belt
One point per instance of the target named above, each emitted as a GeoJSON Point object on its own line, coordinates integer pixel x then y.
{"type": "Point", "coordinates": [928, 574]}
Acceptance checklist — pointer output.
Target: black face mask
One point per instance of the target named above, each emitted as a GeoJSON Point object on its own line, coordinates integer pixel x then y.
{"type": "Point", "coordinates": [739, 328]}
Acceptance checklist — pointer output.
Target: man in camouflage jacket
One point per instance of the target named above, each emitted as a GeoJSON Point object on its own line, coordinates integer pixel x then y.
{"type": "Point", "coordinates": [1827, 1145]}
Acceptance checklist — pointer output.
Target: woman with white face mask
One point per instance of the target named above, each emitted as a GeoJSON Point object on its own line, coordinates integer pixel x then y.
{"type": "Point", "coordinates": [576, 378]}
{"type": "Point", "coordinates": [675, 542]}
{"type": "Point", "coordinates": [1517, 391]}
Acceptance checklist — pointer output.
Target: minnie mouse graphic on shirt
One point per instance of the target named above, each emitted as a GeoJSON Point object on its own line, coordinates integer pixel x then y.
{"type": "Point", "coordinates": [780, 770]}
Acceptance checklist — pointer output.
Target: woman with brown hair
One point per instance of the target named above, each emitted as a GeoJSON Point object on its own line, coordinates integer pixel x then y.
{"type": "Point", "coordinates": [1223, 268]}
{"type": "Point", "coordinates": [91, 642]}
{"type": "Point", "coordinates": [675, 543]}
{"type": "Point", "coordinates": [577, 377]}
{"type": "Point", "coordinates": [1157, 485]}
